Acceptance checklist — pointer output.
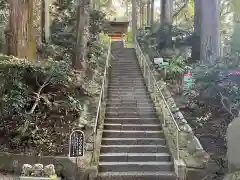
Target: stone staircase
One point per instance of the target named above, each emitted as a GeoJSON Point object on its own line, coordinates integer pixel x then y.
{"type": "Point", "coordinates": [133, 145]}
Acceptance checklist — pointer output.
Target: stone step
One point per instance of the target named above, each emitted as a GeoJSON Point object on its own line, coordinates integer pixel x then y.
{"type": "Point", "coordinates": [128, 88]}
{"type": "Point", "coordinates": [127, 62]}
{"type": "Point", "coordinates": [130, 114]}
{"type": "Point", "coordinates": [123, 72]}
{"type": "Point", "coordinates": [133, 89]}
{"type": "Point", "coordinates": [125, 87]}
{"type": "Point", "coordinates": [139, 127]}
{"type": "Point", "coordinates": [134, 149]}
{"type": "Point", "coordinates": [133, 105]}
{"type": "Point", "coordinates": [124, 79]}
{"type": "Point", "coordinates": [123, 83]}
{"type": "Point", "coordinates": [131, 110]}
{"type": "Point", "coordinates": [130, 104]}
{"type": "Point", "coordinates": [138, 120]}
{"type": "Point", "coordinates": [141, 175]}
{"type": "Point", "coordinates": [124, 92]}
{"type": "Point", "coordinates": [135, 166]}
{"type": "Point", "coordinates": [132, 134]}
{"type": "Point", "coordinates": [124, 66]}
{"type": "Point", "coordinates": [125, 109]}
{"type": "Point", "coordinates": [134, 157]}
{"type": "Point", "coordinates": [129, 100]}
{"type": "Point", "coordinates": [131, 95]}
{"type": "Point", "coordinates": [131, 76]}
{"type": "Point", "coordinates": [128, 81]}
{"type": "Point", "coordinates": [124, 62]}
{"type": "Point", "coordinates": [128, 92]}
{"type": "Point", "coordinates": [133, 141]}
{"type": "Point", "coordinates": [126, 75]}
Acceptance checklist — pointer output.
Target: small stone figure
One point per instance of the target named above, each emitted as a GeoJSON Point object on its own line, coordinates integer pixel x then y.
{"type": "Point", "coordinates": [37, 170]}
{"type": "Point", "coordinates": [26, 169]}
{"type": "Point", "coordinates": [49, 170]}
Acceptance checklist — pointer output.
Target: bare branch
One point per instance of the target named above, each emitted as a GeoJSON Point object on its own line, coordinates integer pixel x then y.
{"type": "Point", "coordinates": [38, 96]}
{"type": "Point", "coordinates": [228, 109]}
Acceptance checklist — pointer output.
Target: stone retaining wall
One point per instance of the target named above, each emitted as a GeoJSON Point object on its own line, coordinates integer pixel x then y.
{"type": "Point", "coordinates": [63, 165]}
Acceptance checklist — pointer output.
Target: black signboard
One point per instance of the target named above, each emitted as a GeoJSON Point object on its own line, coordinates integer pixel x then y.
{"type": "Point", "coordinates": [76, 143]}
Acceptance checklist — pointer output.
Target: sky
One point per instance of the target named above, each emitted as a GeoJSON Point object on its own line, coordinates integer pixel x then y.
{"type": "Point", "coordinates": [121, 8]}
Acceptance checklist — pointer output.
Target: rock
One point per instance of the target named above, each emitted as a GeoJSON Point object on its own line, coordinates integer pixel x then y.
{"type": "Point", "coordinates": [178, 115]}
{"type": "Point", "coordinates": [186, 128]}
{"type": "Point", "coordinates": [232, 176]}
{"type": "Point", "coordinates": [233, 146]}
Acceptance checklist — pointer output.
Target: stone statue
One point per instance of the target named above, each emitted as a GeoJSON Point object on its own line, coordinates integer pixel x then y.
{"type": "Point", "coordinates": [37, 170]}
{"type": "Point", "coordinates": [49, 170]}
{"type": "Point", "coordinates": [26, 169]}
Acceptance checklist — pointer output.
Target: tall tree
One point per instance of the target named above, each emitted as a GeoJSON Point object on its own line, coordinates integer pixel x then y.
{"type": "Point", "coordinates": [166, 11]}
{"type": "Point", "coordinates": [148, 12]}
{"type": "Point", "coordinates": [166, 20]}
{"type": "Point", "coordinates": [141, 13]}
{"type": "Point", "coordinates": [45, 21]}
{"type": "Point", "coordinates": [236, 22]}
{"type": "Point", "coordinates": [210, 31]}
{"type": "Point", "coordinates": [163, 9]}
{"type": "Point", "coordinates": [197, 29]}
{"type": "Point", "coordinates": [127, 12]}
{"type": "Point", "coordinates": [82, 35]}
{"type": "Point", "coordinates": [152, 13]}
{"type": "Point", "coordinates": [20, 38]}
{"type": "Point", "coordinates": [134, 18]}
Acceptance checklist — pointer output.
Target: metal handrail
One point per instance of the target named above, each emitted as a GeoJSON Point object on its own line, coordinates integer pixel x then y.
{"type": "Point", "coordinates": [101, 98]}
{"type": "Point", "coordinates": [150, 74]}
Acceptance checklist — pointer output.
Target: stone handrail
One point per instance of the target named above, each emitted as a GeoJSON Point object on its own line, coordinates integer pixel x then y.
{"type": "Point", "coordinates": [152, 83]}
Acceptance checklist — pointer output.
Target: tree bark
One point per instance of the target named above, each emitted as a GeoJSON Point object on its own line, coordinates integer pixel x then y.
{"type": "Point", "coordinates": [152, 13]}
{"type": "Point", "coordinates": [141, 13]}
{"type": "Point", "coordinates": [21, 41]}
{"type": "Point", "coordinates": [134, 19]}
{"type": "Point", "coordinates": [166, 11]}
{"type": "Point", "coordinates": [169, 11]}
{"type": "Point", "coordinates": [82, 35]}
{"type": "Point", "coordinates": [197, 27]}
{"type": "Point", "coordinates": [166, 20]}
{"type": "Point", "coordinates": [210, 31]}
{"type": "Point", "coordinates": [127, 13]}
{"type": "Point", "coordinates": [94, 4]}
{"type": "Point", "coordinates": [45, 21]}
{"type": "Point", "coordinates": [236, 21]}
{"type": "Point", "coordinates": [163, 10]}
{"type": "Point", "coordinates": [148, 12]}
